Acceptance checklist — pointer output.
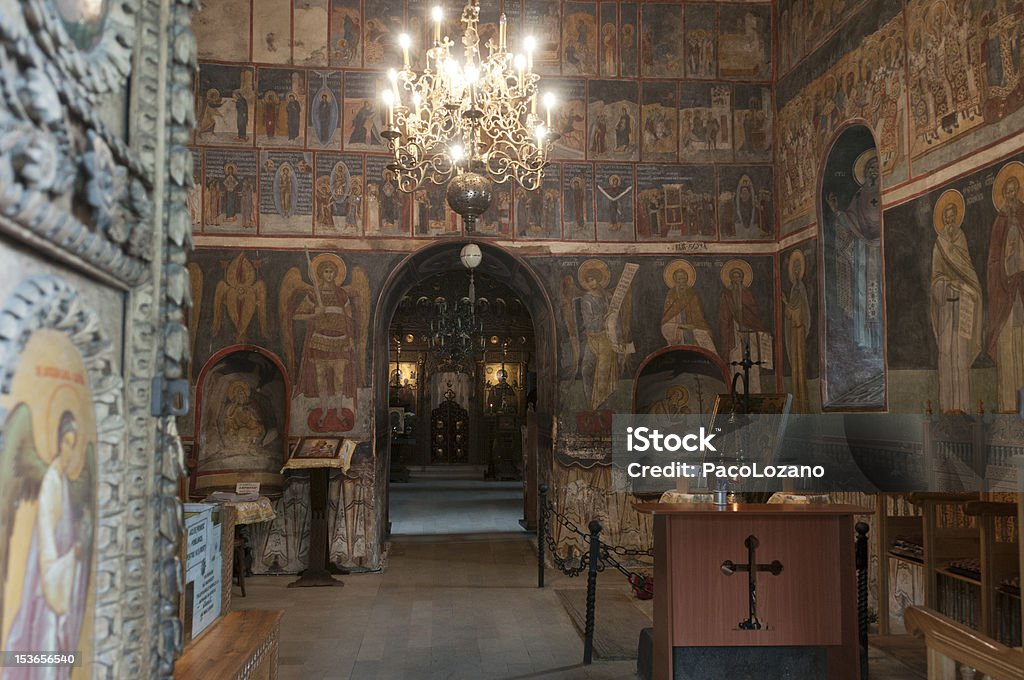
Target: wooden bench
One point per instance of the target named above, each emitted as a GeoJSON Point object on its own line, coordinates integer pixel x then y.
{"type": "Point", "coordinates": [241, 645]}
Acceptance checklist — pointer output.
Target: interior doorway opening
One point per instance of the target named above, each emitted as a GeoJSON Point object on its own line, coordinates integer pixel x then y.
{"type": "Point", "coordinates": [456, 412]}
{"type": "Point", "coordinates": [465, 388]}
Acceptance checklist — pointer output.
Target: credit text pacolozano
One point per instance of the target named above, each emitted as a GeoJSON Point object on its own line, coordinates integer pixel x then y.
{"type": "Point", "coordinates": [744, 471]}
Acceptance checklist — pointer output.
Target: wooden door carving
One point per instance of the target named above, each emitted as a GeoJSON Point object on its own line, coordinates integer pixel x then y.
{"type": "Point", "coordinates": [449, 431]}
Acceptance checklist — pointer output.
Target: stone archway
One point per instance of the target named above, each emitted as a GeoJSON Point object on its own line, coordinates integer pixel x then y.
{"type": "Point", "coordinates": [501, 265]}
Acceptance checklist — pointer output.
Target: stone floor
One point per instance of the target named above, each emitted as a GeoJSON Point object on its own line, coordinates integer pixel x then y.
{"type": "Point", "coordinates": [455, 506]}
{"type": "Point", "coordinates": [448, 606]}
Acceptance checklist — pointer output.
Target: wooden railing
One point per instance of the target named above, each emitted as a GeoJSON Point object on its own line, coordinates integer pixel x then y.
{"type": "Point", "coordinates": [956, 652]}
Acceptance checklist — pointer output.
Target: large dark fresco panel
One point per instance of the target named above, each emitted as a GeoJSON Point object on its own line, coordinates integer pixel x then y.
{"type": "Point", "coordinates": [851, 219]}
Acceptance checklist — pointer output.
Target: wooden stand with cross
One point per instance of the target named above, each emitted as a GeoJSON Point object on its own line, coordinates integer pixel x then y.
{"type": "Point", "coordinates": [800, 592]}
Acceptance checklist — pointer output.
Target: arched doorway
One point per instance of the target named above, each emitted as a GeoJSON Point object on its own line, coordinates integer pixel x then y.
{"type": "Point", "coordinates": [435, 271]}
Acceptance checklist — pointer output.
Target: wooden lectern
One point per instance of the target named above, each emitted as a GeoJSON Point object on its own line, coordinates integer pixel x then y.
{"type": "Point", "coordinates": [780, 576]}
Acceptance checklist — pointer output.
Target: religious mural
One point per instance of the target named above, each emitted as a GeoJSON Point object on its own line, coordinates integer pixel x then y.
{"type": "Point", "coordinates": [362, 114]}
{"type": "Point", "coordinates": [705, 122]}
{"type": "Point", "coordinates": [497, 219]}
{"type": "Point", "coordinates": [613, 112]}
{"type": "Point", "coordinates": [280, 107]}
{"type": "Point", "coordinates": [48, 504]}
{"type": "Point", "coordinates": [271, 32]}
{"type": "Point", "coordinates": [962, 325]}
{"type": "Point", "coordinates": [332, 317]}
{"type": "Point", "coordinates": [744, 43]}
{"type": "Point", "coordinates": [286, 192]}
{"type": "Point", "coordinates": [542, 19]}
{"type": "Point", "coordinates": [225, 105]}
{"type": "Point", "coordinates": [964, 65]}
{"type": "Point", "coordinates": [578, 201]}
{"type": "Point", "coordinates": [658, 120]}
{"type": "Point", "coordinates": [239, 300]}
{"type": "Point", "coordinates": [568, 120]}
{"type": "Point", "coordinates": [700, 43]}
{"type": "Point", "coordinates": [608, 40]}
{"type": "Point", "coordinates": [579, 38]}
{"type": "Point", "coordinates": [743, 324]}
{"type": "Point", "coordinates": [338, 193]}
{"type": "Point", "coordinates": [597, 313]}
{"type": "Point", "coordinates": [680, 381]}
{"type": "Point", "coordinates": [662, 34]}
{"type": "Point", "coordinates": [851, 229]}
{"type": "Point", "coordinates": [345, 47]}
{"type": "Point", "coordinates": [539, 213]}
{"type": "Point", "coordinates": [431, 215]}
{"type": "Point", "coordinates": [859, 85]}
{"type": "Point", "coordinates": [323, 126]}
{"type": "Point", "coordinates": [806, 23]}
{"type": "Point", "coordinates": [597, 119]}
{"type": "Point", "coordinates": [629, 40]}
{"type": "Point", "coordinates": [675, 202]}
{"type": "Point", "coordinates": [745, 208]}
{"type": "Point", "coordinates": [382, 23]}
{"type": "Point", "coordinates": [753, 123]}
{"type": "Point", "coordinates": [615, 195]}
{"type": "Point", "coordinates": [800, 323]}
{"type": "Point", "coordinates": [682, 317]}
{"type": "Point", "coordinates": [310, 27]}
{"type": "Point", "coordinates": [242, 409]}
{"type": "Point", "coordinates": [229, 193]}
{"type": "Point", "coordinates": [385, 207]}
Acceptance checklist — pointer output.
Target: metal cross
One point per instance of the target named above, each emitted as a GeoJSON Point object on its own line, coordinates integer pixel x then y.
{"type": "Point", "coordinates": [751, 567]}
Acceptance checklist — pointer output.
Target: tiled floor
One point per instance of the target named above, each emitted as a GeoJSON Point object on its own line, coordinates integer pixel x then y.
{"type": "Point", "coordinates": [448, 606]}
{"type": "Point", "coordinates": [455, 507]}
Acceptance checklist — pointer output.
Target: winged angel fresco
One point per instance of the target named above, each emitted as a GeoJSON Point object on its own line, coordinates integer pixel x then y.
{"type": "Point", "coordinates": [334, 322]}
{"type": "Point", "coordinates": [47, 486]}
{"type": "Point", "coordinates": [604, 318]}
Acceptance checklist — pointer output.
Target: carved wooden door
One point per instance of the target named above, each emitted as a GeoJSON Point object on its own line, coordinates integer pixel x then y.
{"type": "Point", "coordinates": [449, 432]}
{"type": "Point", "coordinates": [95, 112]}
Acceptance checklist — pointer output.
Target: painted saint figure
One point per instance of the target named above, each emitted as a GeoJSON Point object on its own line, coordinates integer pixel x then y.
{"type": "Point", "coordinates": [858, 242]}
{"type": "Point", "coordinates": [624, 131]}
{"type": "Point", "coordinates": [294, 114]}
{"type": "Point", "coordinates": [955, 309]}
{"type": "Point", "coordinates": [739, 319]}
{"type": "Point", "coordinates": [614, 194]}
{"type": "Point", "coordinates": [682, 319]}
{"type": "Point", "coordinates": [241, 116]}
{"type": "Point", "coordinates": [1005, 342]}
{"type": "Point", "coordinates": [271, 102]}
{"type": "Point", "coordinates": [606, 330]}
{"type": "Point", "coordinates": [55, 585]}
{"type": "Point", "coordinates": [797, 325]}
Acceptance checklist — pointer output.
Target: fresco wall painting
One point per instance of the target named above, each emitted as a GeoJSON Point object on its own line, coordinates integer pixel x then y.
{"type": "Point", "coordinates": [851, 219]}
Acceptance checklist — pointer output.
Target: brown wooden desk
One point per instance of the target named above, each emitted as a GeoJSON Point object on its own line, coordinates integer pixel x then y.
{"type": "Point", "coordinates": [812, 602]}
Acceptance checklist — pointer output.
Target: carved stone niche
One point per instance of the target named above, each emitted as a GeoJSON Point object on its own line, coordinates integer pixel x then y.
{"type": "Point", "coordinates": [241, 423]}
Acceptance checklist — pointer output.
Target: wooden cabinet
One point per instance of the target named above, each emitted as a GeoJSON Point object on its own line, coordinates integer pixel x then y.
{"type": "Point", "coordinates": [961, 551]}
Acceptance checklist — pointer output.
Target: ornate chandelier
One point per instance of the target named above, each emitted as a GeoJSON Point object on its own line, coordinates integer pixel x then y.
{"type": "Point", "coordinates": [468, 122]}
{"type": "Point", "coordinates": [456, 332]}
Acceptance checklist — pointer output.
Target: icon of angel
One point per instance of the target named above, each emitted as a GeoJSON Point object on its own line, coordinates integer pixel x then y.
{"type": "Point", "coordinates": [599, 327]}
{"type": "Point", "coordinates": [333, 320]}
{"type": "Point", "coordinates": [47, 487]}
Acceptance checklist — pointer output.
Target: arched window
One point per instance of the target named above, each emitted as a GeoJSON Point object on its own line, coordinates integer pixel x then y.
{"type": "Point", "coordinates": [853, 361]}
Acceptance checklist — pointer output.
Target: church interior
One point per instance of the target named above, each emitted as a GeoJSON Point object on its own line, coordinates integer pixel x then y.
{"type": "Point", "coordinates": [322, 323]}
